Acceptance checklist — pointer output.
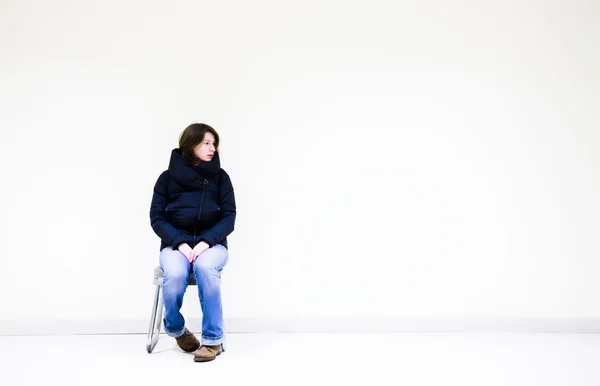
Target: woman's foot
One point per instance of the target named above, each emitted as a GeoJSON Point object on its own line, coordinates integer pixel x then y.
{"type": "Point", "coordinates": [187, 342]}
{"type": "Point", "coordinates": [207, 353]}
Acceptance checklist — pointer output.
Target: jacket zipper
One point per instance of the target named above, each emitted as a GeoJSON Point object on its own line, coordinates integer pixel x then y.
{"type": "Point", "coordinates": [200, 212]}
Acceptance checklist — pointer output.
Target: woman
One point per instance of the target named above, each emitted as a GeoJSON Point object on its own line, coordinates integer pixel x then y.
{"type": "Point", "coordinates": [193, 211]}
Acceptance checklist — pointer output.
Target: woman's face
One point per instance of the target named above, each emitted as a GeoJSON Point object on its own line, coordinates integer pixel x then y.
{"type": "Point", "coordinates": [205, 150]}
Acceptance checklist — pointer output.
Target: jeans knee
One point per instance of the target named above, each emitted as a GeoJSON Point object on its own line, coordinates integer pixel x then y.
{"type": "Point", "coordinates": [205, 270]}
{"type": "Point", "coordinates": [176, 274]}
{"type": "Point", "coordinates": [175, 280]}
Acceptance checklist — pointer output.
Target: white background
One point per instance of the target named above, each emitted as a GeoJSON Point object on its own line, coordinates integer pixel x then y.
{"type": "Point", "coordinates": [425, 159]}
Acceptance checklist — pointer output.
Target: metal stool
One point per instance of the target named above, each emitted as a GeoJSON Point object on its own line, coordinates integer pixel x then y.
{"type": "Point", "coordinates": [157, 309]}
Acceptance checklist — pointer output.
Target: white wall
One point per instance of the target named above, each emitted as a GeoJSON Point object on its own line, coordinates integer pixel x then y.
{"type": "Point", "coordinates": [390, 159]}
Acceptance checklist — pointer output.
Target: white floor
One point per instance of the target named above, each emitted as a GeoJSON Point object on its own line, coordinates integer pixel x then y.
{"type": "Point", "coordinates": [481, 359]}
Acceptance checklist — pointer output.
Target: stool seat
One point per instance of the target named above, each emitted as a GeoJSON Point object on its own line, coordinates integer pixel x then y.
{"type": "Point", "coordinates": [159, 275]}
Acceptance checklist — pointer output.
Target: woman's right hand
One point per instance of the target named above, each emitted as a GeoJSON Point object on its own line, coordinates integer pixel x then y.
{"type": "Point", "coordinates": [186, 251]}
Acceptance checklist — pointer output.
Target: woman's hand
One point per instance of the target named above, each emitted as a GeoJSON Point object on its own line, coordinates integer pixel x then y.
{"type": "Point", "coordinates": [198, 249]}
{"type": "Point", "coordinates": [186, 250]}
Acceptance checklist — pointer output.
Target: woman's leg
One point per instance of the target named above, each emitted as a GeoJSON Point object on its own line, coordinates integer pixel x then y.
{"type": "Point", "coordinates": [176, 269]}
{"type": "Point", "coordinates": [206, 270]}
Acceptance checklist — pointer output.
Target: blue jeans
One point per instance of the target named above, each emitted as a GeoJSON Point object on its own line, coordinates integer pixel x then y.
{"type": "Point", "coordinates": [206, 271]}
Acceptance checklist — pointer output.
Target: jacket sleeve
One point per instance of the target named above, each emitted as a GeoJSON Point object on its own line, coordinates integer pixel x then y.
{"type": "Point", "coordinates": [167, 232]}
{"type": "Point", "coordinates": [226, 222]}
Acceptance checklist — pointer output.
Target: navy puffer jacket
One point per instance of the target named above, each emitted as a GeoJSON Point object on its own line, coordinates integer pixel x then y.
{"type": "Point", "coordinates": [193, 203]}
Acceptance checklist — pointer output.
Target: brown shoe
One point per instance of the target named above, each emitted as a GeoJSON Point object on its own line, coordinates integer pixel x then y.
{"type": "Point", "coordinates": [207, 353]}
{"type": "Point", "coordinates": [187, 342]}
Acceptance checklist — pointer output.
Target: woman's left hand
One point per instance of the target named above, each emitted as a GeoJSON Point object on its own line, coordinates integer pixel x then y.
{"type": "Point", "coordinates": [198, 249]}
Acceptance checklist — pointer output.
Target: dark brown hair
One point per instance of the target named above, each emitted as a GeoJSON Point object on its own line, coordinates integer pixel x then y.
{"type": "Point", "coordinates": [192, 136]}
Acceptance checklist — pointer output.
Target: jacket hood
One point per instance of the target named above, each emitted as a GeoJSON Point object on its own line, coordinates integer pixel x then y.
{"type": "Point", "coordinates": [185, 173]}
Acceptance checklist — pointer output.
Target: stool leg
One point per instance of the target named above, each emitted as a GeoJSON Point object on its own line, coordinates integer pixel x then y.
{"type": "Point", "coordinates": [161, 308]}
{"type": "Point", "coordinates": [154, 330]}
{"type": "Point", "coordinates": [224, 344]}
